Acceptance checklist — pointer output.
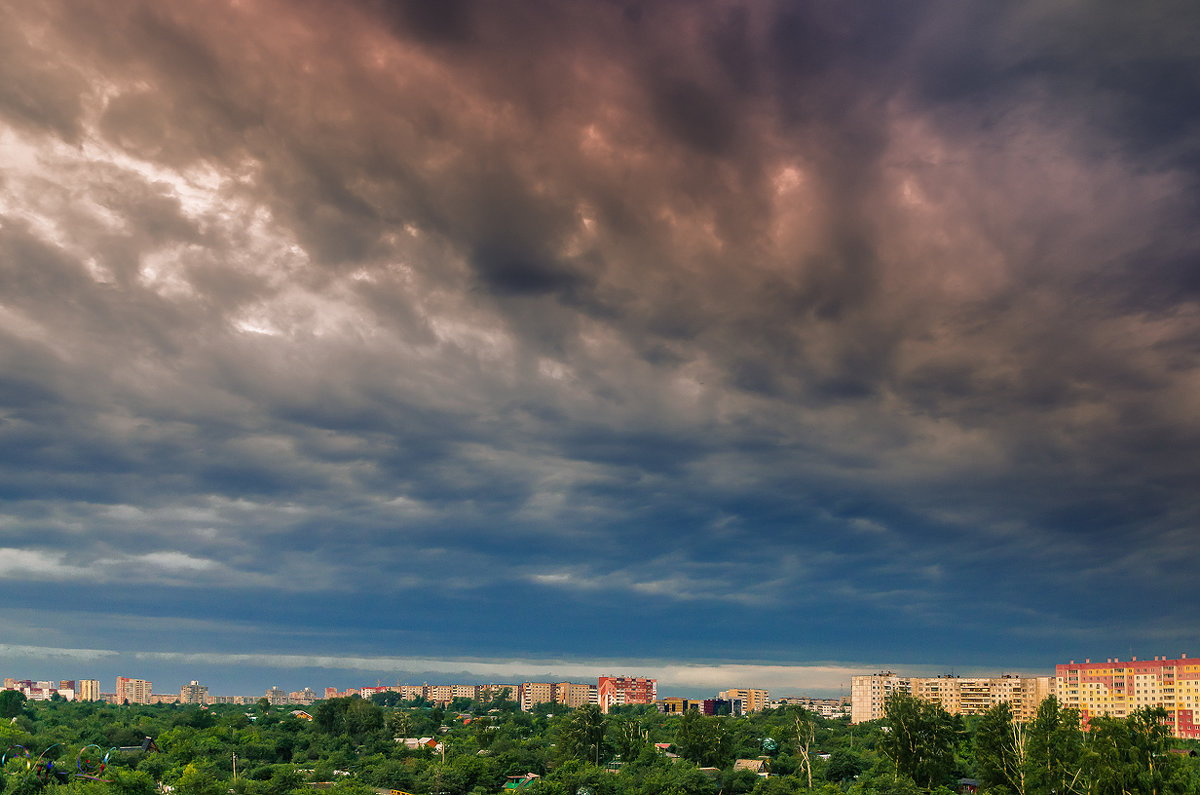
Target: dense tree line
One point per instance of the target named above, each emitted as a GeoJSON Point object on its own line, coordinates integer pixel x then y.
{"type": "Point", "coordinates": [357, 745]}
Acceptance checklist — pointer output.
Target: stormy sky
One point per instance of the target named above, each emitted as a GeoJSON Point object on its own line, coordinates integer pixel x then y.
{"type": "Point", "coordinates": [731, 342]}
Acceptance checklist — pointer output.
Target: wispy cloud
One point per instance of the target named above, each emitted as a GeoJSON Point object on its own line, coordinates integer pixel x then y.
{"type": "Point", "coordinates": [9, 650]}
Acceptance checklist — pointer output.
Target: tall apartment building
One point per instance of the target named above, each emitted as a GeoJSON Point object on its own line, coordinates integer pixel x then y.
{"type": "Point", "coordinates": [571, 694]}
{"type": "Point", "coordinates": [752, 700]}
{"type": "Point", "coordinates": [576, 694]}
{"type": "Point", "coordinates": [135, 691]}
{"type": "Point", "coordinates": [193, 693]}
{"type": "Point", "coordinates": [869, 692]}
{"type": "Point", "coordinates": [536, 693]}
{"type": "Point", "coordinates": [409, 692]}
{"type": "Point", "coordinates": [612, 691]}
{"type": "Point", "coordinates": [957, 695]}
{"type": "Point", "coordinates": [276, 696]}
{"type": "Point", "coordinates": [440, 694]}
{"type": "Point", "coordinates": [89, 690]}
{"type": "Point", "coordinates": [466, 691]}
{"type": "Point", "coordinates": [1118, 688]}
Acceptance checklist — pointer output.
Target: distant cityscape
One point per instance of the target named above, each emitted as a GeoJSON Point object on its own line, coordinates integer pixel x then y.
{"type": "Point", "coordinates": [1113, 688]}
{"type": "Point", "coordinates": [609, 691]}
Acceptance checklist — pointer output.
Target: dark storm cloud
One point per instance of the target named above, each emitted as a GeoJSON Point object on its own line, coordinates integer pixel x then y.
{"type": "Point", "coordinates": [841, 314]}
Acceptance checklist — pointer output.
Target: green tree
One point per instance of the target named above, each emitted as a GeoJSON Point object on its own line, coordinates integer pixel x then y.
{"type": "Point", "coordinates": [484, 729]}
{"type": "Point", "coordinates": [702, 739]}
{"type": "Point", "coordinates": [844, 765]}
{"type": "Point", "coordinates": [1002, 750]}
{"type": "Point", "coordinates": [1055, 749]}
{"type": "Point", "coordinates": [582, 733]}
{"type": "Point", "coordinates": [629, 736]}
{"type": "Point", "coordinates": [676, 779]}
{"type": "Point", "coordinates": [197, 781]}
{"type": "Point", "coordinates": [130, 782]}
{"type": "Point", "coordinates": [388, 698]}
{"type": "Point", "coordinates": [362, 717]}
{"type": "Point", "coordinates": [399, 723]}
{"type": "Point", "coordinates": [922, 739]}
{"type": "Point", "coordinates": [1130, 756]}
{"type": "Point", "coordinates": [12, 703]}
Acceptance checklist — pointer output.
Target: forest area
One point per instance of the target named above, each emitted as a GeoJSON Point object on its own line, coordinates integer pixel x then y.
{"type": "Point", "coordinates": [353, 746]}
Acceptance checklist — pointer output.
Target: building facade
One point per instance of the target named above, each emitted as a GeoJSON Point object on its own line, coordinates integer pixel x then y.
{"type": "Point", "coordinates": [614, 691]}
{"type": "Point", "coordinates": [957, 695]}
{"type": "Point", "coordinates": [722, 706]}
{"type": "Point", "coordinates": [193, 693]}
{"type": "Point", "coordinates": [1118, 688]}
{"type": "Point", "coordinates": [466, 691]}
{"type": "Point", "coordinates": [303, 697]}
{"type": "Point", "coordinates": [576, 694]}
{"type": "Point", "coordinates": [536, 693]}
{"type": "Point", "coordinates": [135, 691]}
{"type": "Point", "coordinates": [675, 706]}
{"type": "Point", "coordinates": [752, 700]}
{"type": "Point", "coordinates": [441, 695]}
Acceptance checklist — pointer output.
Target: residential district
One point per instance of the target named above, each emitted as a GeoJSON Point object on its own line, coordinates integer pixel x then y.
{"type": "Point", "coordinates": [1111, 688]}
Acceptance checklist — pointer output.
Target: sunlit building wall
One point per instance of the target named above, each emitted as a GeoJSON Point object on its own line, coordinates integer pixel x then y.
{"type": "Point", "coordinates": [1118, 688]}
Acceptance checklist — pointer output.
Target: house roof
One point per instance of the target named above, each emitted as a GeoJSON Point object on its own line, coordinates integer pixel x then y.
{"type": "Point", "coordinates": [147, 745]}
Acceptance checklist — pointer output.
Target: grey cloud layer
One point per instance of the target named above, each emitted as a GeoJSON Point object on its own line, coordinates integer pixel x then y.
{"type": "Point", "coordinates": [807, 309]}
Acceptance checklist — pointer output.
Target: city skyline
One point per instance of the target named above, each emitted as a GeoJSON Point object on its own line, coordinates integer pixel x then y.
{"type": "Point", "coordinates": [689, 338]}
{"type": "Point", "coordinates": [673, 681]}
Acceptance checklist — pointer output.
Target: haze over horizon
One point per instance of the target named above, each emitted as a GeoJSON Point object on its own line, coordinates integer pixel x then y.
{"type": "Point", "coordinates": [817, 337]}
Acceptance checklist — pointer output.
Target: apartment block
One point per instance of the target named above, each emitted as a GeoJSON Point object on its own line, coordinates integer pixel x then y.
{"type": "Point", "coordinates": [135, 691]}
{"type": "Point", "coordinates": [466, 691]}
{"type": "Point", "coordinates": [303, 697]}
{"type": "Point", "coordinates": [1118, 688]}
{"type": "Point", "coordinates": [536, 693]}
{"type": "Point", "coordinates": [616, 690]}
{"type": "Point", "coordinates": [572, 694]}
{"type": "Point", "coordinates": [752, 700]}
{"type": "Point", "coordinates": [333, 692]}
{"type": "Point", "coordinates": [576, 694]}
{"type": "Point", "coordinates": [193, 693]}
{"type": "Point", "coordinates": [869, 692]}
{"type": "Point", "coordinates": [957, 695]}
{"type": "Point", "coordinates": [89, 690]}
{"type": "Point", "coordinates": [440, 694]}
{"type": "Point", "coordinates": [409, 692]}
